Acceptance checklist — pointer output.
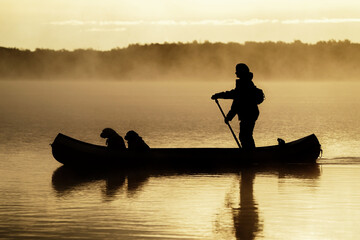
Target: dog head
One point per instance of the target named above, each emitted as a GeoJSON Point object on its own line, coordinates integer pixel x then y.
{"type": "Point", "coordinates": [108, 133]}
{"type": "Point", "coordinates": [131, 135]}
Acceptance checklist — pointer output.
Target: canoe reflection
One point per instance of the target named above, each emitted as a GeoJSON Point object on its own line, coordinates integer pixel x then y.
{"type": "Point", "coordinates": [247, 221]}
{"type": "Point", "coordinates": [66, 180]}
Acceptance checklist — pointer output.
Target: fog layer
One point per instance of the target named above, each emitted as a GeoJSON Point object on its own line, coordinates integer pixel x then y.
{"type": "Point", "coordinates": [331, 60]}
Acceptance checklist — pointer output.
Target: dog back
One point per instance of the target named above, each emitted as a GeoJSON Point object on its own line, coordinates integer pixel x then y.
{"type": "Point", "coordinates": [116, 143]}
{"type": "Point", "coordinates": [138, 145]}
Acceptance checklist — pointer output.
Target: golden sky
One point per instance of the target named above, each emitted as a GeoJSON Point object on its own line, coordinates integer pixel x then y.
{"type": "Point", "coordinates": [107, 24]}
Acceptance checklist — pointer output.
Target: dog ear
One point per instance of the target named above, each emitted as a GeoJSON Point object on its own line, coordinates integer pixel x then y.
{"type": "Point", "coordinates": [102, 134]}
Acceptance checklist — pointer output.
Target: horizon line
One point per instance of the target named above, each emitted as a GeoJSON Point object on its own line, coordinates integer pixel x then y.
{"type": "Point", "coordinates": [213, 22]}
{"type": "Point", "coordinates": [185, 43]}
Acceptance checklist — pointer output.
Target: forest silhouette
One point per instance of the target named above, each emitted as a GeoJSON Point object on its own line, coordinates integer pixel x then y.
{"type": "Point", "coordinates": [325, 60]}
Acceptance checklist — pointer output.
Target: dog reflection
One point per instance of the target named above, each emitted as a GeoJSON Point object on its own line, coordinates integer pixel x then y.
{"type": "Point", "coordinates": [67, 180]}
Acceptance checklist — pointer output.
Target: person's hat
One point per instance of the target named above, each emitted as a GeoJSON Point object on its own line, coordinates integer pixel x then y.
{"type": "Point", "coordinates": [242, 68]}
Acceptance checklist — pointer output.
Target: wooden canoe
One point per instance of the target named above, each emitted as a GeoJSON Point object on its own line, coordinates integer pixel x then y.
{"type": "Point", "coordinates": [73, 152]}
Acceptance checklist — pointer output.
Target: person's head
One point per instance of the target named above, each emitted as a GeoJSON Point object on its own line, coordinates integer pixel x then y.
{"type": "Point", "coordinates": [242, 70]}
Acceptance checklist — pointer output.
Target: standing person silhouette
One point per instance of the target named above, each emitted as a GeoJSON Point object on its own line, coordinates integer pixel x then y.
{"type": "Point", "coordinates": [244, 105]}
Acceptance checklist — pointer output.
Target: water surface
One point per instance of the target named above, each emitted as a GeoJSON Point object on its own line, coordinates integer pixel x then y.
{"type": "Point", "coordinates": [40, 199]}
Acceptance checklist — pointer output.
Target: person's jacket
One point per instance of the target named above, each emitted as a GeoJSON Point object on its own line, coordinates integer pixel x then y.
{"type": "Point", "coordinates": [244, 104]}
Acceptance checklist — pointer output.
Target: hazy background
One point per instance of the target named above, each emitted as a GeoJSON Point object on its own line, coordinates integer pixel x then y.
{"type": "Point", "coordinates": [179, 40]}
{"type": "Point", "coordinates": [330, 60]}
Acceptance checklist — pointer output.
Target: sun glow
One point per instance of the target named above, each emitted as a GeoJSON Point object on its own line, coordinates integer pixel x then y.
{"type": "Point", "coordinates": [109, 24]}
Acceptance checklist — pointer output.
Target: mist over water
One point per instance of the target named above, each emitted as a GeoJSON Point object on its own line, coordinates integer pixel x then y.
{"type": "Point", "coordinates": [179, 114]}
{"type": "Point", "coordinates": [40, 200]}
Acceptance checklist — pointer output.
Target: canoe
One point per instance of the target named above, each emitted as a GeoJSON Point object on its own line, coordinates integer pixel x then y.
{"type": "Point", "coordinates": [73, 152]}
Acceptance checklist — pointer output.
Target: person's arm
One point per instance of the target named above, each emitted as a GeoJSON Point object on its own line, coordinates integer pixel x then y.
{"type": "Point", "coordinates": [224, 95]}
{"type": "Point", "coordinates": [231, 114]}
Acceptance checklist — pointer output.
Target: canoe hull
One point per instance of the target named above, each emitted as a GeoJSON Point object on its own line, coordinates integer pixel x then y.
{"type": "Point", "coordinates": [72, 152]}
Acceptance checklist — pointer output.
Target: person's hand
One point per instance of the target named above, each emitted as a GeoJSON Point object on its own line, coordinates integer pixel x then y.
{"type": "Point", "coordinates": [226, 120]}
{"type": "Point", "coordinates": [214, 97]}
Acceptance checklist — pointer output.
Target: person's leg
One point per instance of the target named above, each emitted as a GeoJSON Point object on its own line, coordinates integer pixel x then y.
{"type": "Point", "coordinates": [246, 134]}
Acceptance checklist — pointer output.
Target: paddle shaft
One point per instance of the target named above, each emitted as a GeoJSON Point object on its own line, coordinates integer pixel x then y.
{"type": "Point", "coordinates": [227, 123]}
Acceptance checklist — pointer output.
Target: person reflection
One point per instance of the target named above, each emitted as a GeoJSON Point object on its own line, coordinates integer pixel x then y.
{"type": "Point", "coordinates": [246, 217]}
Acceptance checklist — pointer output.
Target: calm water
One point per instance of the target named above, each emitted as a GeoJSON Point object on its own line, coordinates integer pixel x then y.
{"type": "Point", "coordinates": [40, 199]}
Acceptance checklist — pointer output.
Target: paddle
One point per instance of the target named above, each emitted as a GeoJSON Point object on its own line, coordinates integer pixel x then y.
{"type": "Point", "coordinates": [227, 123]}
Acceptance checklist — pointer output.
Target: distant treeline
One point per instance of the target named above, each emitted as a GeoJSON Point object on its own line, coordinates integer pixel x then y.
{"type": "Point", "coordinates": [330, 60]}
